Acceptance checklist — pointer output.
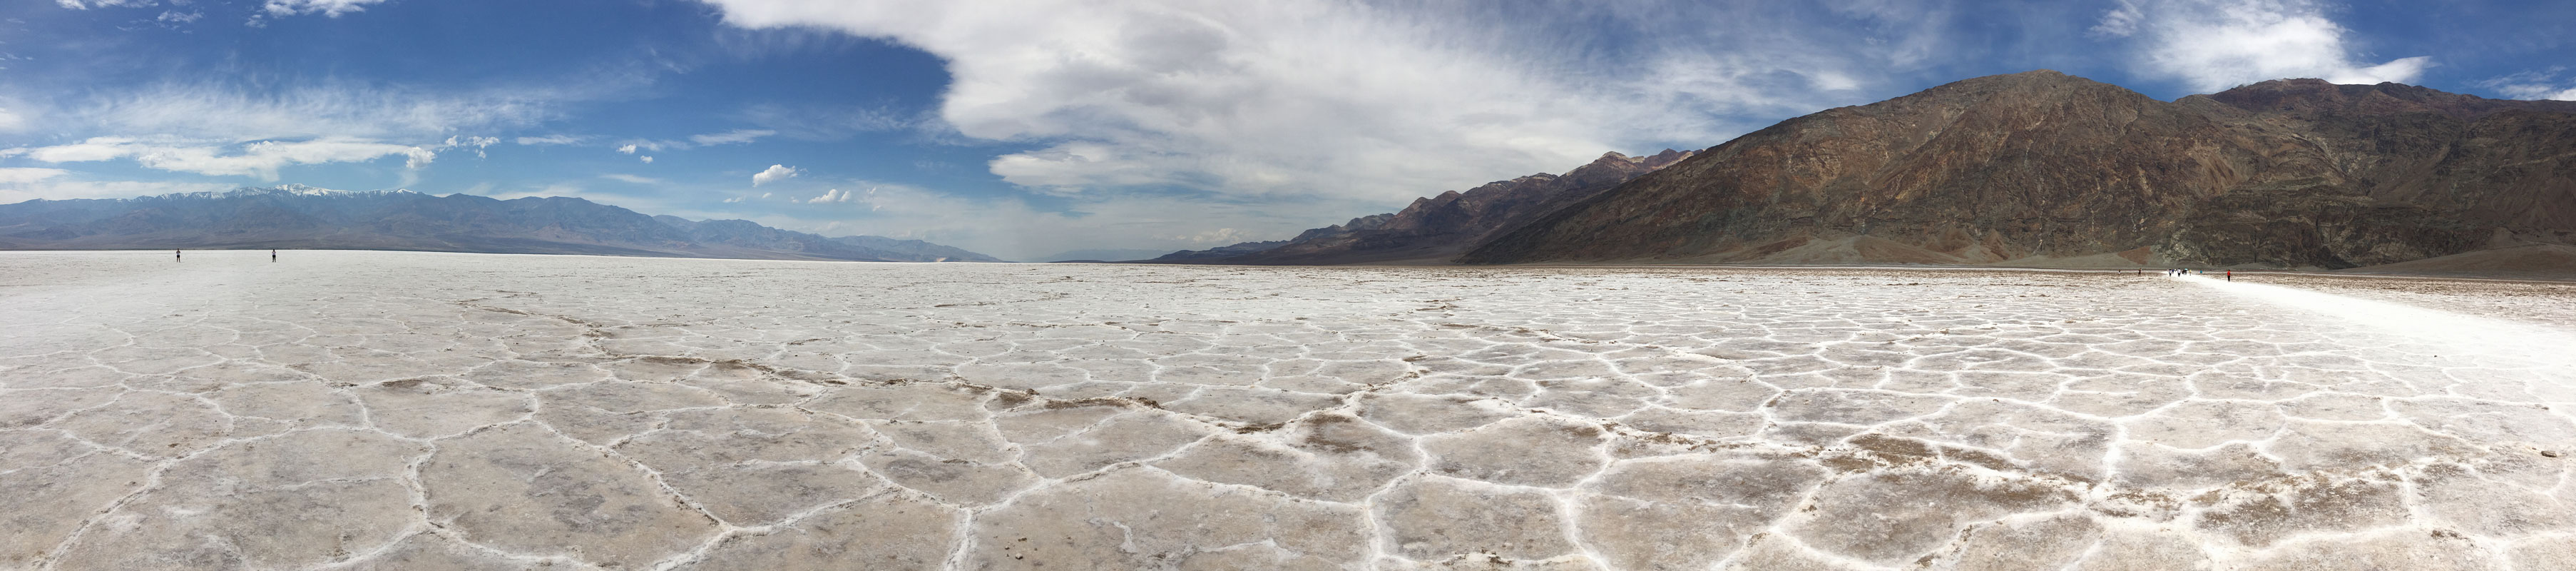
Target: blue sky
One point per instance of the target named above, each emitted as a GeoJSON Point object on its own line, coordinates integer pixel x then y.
{"type": "Point", "coordinates": [1025, 128]}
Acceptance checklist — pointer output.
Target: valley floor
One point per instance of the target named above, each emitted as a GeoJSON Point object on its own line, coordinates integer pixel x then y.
{"type": "Point", "coordinates": [388, 410]}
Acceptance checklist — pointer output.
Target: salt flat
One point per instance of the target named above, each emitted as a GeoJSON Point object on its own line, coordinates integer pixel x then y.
{"type": "Point", "coordinates": [369, 410]}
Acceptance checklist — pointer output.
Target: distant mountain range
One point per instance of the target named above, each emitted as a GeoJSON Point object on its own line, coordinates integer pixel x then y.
{"type": "Point", "coordinates": [1098, 255]}
{"type": "Point", "coordinates": [1435, 229]}
{"type": "Point", "coordinates": [298, 216]}
{"type": "Point", "coordinates": [2041, 169]}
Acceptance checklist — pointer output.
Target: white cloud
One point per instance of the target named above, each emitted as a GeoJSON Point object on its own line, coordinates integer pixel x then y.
{"type": "Point", "coordinates": [648, 159]}
{"type": "Point", "coordinates": [2217, 44]}
{"type": "Point", "coordinates": [476, 143]}
{"type": "Point", "coordinates": [24, 175]}
{"type": "Point", "coordinates": [11, 122]}
{"type": "Point", "coordinates": [259, 159]}
{"type": "Point", "coordinates": [731, 137]}
{"type": "Point", "coordinates": [1352, 101]}
{"type": "Point", "coordinates": [773, 173]}
{"type": "Point", "coordinates": [2534, 85]}
{"type": "Point", "coordinates": [87, 4]}
{"type": "Point", "coordinates": [549, 140]}
{"type": "Point", "coordinates": [627, 149]}
{"type": "Point", "coordinates": [332, 8]}
{"type": "Point", "coordinates": [59, 187]}
{"type": "Point", "coordinates": [628, 178]}
{"type": "Point", "coordinates": [835, 195]}
{"type": "Point", "coordinates": [332, 110]}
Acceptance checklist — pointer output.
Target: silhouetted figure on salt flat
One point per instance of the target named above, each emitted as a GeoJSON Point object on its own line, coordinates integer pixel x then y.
{"type": "Point", "coordinates": [272, 256]}
{"type": "Point", "coordinates": [174, 256]}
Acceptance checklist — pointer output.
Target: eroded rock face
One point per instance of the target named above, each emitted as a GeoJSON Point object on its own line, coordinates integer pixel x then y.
{"type": "Point", "coordinates": [1137, 417]}
{"type": "Point", "coordinates": [2041, 167]}
{"type": "Point", "coordinates": [1444, 226]}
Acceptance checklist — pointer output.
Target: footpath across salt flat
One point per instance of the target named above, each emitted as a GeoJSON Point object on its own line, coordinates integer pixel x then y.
{"type": "Point", "coordinates": [454, 411]}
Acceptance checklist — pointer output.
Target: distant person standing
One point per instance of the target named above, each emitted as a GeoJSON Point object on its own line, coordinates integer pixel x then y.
{"type": "Point", "coordinates": [2231, 275]}
{"type": "Point", "coordinates": [174, 256]}
{"type": "Point", "coordinates": [272, 255]}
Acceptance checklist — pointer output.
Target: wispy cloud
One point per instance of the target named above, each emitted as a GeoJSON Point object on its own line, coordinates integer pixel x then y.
{"type": "Point", "coordinates": [23, 185]}
{"type": "Point", "coordinates": [549, 140]}
{"type": "Point", "coordinates": [261, 159]}
{"type": "Point", "coordinates": [23, 175]}
{"type": "Point", "coordinates": [2217, 44]}
{"type": "Point", "coordinates": [731, 137]}
{"type": "Point", "coordinates": [2542, 84]}
{"type": "Point", "coordinates": [88, 4]}
{"type": "Point", "coordinates": [243, 113]}
{"type": "Point", "coordinates": [332, 8]}
{"type": "Point", "coordinates": [633, 179]}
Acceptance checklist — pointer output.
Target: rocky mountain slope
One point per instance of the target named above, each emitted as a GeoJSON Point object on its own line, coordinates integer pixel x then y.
{"type": "Point", "coordinates": [297, 216]}
{"type": "Point", "coordinates": [1440, 227]}
{"type": "Point", "coordinates": [2045, 169]}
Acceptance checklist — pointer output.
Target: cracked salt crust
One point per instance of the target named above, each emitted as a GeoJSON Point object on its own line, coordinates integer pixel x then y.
{"type": "Point", "coordinates": [363, 410]}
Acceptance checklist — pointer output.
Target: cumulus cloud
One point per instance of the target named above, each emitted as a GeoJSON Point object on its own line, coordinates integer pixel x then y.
{"type": "Point", "coordinates": [332, 8]}
{"type": "Point", "coordinates": [648, 159]}
{"type": "Point", "coordinates": [774, 173]}
{"type": "Point", "coordinates": [834, 195]}
{"type": "Point", "coordinates": [2217, 44]}
{"type": "Point", "coordinates": [1355, 101]}
{"type": "Point", "coordinates": [627, 149]}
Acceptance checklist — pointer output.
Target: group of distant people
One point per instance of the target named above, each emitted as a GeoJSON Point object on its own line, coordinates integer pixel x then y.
{"type": "Point", "coordinates": [2179, 272]}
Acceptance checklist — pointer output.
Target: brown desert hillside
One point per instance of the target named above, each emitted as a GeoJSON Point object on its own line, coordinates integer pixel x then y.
{"type": "Point", "coordinates": [2042, 168]}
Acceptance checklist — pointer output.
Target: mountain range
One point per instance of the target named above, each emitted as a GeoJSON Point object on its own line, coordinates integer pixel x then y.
{"type": "Point", "coordinates": [298, 216]}
{"type": "Point", "coordinates": [2042, 169]}
{"type": "Point", "coordinates": [1439, 227]}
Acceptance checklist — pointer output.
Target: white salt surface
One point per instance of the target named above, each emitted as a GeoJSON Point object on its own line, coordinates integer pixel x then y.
{"type": "Point", "coordinates": [368, 410]}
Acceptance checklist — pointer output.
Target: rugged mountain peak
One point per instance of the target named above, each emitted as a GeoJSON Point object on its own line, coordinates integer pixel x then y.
{"type": "Point", "coordinates": [2312, 98]}
{"type": "Point", "coordinates": [289, 189]}
{"type": "Point", "coordinates": [1666, 158]}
